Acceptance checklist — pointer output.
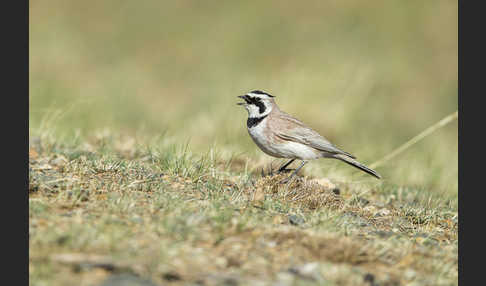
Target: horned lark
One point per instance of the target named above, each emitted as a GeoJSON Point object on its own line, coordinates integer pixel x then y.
{"type": "Point", "coordinates": [280, 135]}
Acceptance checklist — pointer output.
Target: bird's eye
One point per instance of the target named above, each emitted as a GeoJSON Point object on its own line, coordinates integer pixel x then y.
{"type": "Point", "coordinates": [251, 100]}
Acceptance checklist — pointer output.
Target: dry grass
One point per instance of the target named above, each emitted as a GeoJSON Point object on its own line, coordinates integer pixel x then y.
{"type": "Point", "coordinates": [170, 220]}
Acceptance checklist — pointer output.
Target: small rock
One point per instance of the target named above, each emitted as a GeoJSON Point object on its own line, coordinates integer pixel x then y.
{"type": "Point", "coordinates": [382, 233]}
{"type": "Point", "coordinates": [59, 161]}
{"type": "Point", "coordinates": [354, 219]}
{"type": "Point", "coordinates": [363, 201]}
{"type": "Point", "coordinates": [379, 204]}
{"type": "Point", "coordinates": [44, 167]}
{"type": "Point", "coordinates": [296, 220]}
{"type": "Point", "coordinates": [220, 279]}
{"type": "Point", "coordinates": [382, 212]}
{"type": "Point", "coordinates": [371, 209]}
{"type": "Point", "coordinates": [171, 276]}
{"type": "Point", "coordinates": [309, 271]}
{"type": "Point", "coordinates": [363, 224]}
{"type": "Point", "coordinates": [69, 213]}
{"type": "Point", "coordinates": [336, 191]}
{"type": "Point", "coordinates": [126, 279]}
{"type": "Point", "coordinates": [271, 244]}
{"type": "Point", "coordinates": [409, 274]}
{"type": "Point", "coordinates": [369, 278]}
{"type": "Point", "coordinates": [62, 239]}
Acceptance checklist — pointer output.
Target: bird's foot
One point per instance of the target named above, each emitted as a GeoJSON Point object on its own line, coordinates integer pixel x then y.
{"type": "Point", "coordinates": [280, 171]}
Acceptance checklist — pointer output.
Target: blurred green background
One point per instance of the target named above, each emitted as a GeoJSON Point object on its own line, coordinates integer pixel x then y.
{"type": "Point", "coordinates": [368, 75]}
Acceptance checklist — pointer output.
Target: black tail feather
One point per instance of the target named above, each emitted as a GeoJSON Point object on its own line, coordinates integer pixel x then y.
{"type": "Point", "coordinates": [357, 164]}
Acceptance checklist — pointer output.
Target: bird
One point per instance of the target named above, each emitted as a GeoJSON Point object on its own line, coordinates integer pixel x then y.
{"type": "Point", "coordinates": [281, 135]}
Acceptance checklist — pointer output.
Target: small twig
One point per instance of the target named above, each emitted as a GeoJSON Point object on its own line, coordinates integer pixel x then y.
{"type": "Point", "coordinates": [416, 139]}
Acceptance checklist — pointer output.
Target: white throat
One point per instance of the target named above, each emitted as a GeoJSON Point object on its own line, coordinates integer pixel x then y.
{"type": "Point", "coordinates": [255, 111]}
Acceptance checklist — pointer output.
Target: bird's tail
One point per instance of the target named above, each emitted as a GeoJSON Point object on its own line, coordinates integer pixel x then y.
{"type": "Point", "coordinates": [357, 164]}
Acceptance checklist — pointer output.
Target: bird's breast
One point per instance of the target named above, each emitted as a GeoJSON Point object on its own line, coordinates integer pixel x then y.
{"type": "Point", "coordinates": [262, 136]}
{"type": "Point", "coordinates": [266, 140]}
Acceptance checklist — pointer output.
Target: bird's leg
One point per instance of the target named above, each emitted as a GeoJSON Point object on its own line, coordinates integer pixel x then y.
{"type": "Point", "coordinates": [281, 169]}
{"type": "Point", "coordinates": [270, 171]}
{"type": "Point", "coordinates": [293, 174]}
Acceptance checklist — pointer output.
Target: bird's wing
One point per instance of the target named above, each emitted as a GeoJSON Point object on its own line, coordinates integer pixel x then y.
{"type": "Point", "coordinates": [292, 129]}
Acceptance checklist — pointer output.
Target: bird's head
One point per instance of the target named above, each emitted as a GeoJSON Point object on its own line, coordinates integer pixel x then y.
{"type": "Point", "coordinates": [258, 103]}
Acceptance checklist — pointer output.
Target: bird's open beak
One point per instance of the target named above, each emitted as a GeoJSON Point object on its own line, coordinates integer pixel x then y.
{"type": "Point", "coordinates": [242, 97]}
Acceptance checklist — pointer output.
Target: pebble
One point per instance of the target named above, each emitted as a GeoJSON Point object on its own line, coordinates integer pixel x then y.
{"type": "Point", "coordinates": [296, 220]}
{"type": "Point", "coordinates": [370, 278]}
{"type": "Point", "coordinates": [308, 271]}
{"type": "Point", "coordinates": [382, 212]}
{"type": "Point", "coordinates": [363, 201]}
{"type": "Point", "coordinates": [126, 279]}
{"type": "Point", "coordinates": [59, 161]}
{"type": "Point", "coordinates": [409, 274]}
